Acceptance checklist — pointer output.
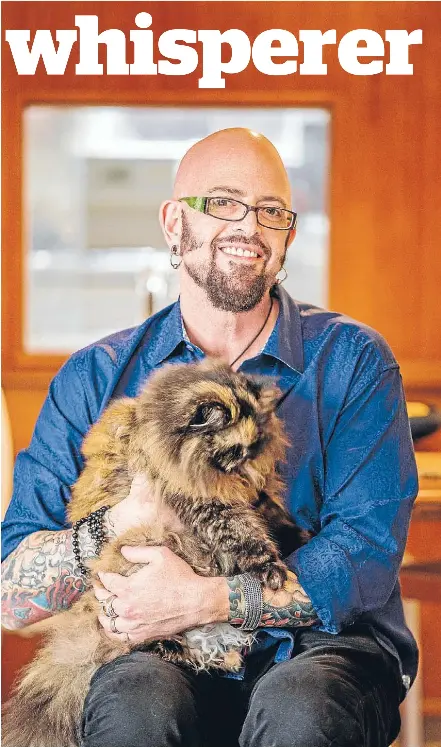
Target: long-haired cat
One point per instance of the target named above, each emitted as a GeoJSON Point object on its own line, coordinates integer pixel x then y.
{"type": "Point", "coordinates": [207, 439]}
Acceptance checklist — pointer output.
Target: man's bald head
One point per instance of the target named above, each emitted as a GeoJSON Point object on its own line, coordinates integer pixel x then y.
{"type": "Point", "coordinates": [231, 158]}
{"type": "Point", "coordinates": [234, 261]}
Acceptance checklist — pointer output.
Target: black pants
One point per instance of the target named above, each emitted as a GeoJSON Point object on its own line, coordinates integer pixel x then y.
{"type": "Point", "coordinates": [341, 690]}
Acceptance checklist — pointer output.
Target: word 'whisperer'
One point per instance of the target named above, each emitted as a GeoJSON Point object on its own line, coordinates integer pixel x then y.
{"type": "Point", "coordinates": [179, 57]}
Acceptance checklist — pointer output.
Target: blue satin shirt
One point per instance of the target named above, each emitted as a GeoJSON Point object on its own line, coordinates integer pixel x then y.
{"type": "Point", "coordinates": [350, 474]}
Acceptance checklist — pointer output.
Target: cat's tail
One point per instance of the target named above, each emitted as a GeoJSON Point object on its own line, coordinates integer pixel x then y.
{"type": "Point", "coordinates": [46, 708]}
{"type": "Point", "coordinates": [47, 704]}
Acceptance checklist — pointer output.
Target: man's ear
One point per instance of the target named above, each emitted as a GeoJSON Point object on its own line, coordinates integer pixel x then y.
{"type": "Point", "coordinates": [170, 221]}
{"type": "Point", "coordinates": [290, 238]}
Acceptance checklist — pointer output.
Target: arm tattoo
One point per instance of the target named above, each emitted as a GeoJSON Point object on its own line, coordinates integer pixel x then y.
{"type": "Point", "coordinates": [236, 597]}
{"type": "Point", "coordinates": [87, 544]}
{"type": "Point", "coordinates": [41, 576]}
{"type": "Point", "coordinates": [109, 525]}
{"type": "Point", "coordinates": [294, 609]}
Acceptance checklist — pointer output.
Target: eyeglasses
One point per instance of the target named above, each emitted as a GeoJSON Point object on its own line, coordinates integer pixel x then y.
{"type": "Point", "coordinates": [224, 208]}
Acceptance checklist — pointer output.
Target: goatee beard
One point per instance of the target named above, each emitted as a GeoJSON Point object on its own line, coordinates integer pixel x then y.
{"type": "Point", "coordinates": [228, 292]}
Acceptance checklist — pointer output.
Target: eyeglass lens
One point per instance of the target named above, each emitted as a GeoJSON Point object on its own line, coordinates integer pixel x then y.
{"type": "Point", "coordinates": [267, 215]}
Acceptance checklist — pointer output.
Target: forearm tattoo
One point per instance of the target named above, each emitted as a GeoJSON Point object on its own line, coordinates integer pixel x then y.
{"type": "Point", "coordinates": [109, 525]}
{"type": "Point", "coordinates": [87, 544]}
{"type": "Point", "coordinates": [293, 610]}
{"type": "Point", "coordinates": [40, 577]}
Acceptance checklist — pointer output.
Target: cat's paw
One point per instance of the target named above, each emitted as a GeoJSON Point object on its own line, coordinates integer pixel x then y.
{"type": "Point", "coordinates": [274, 575]}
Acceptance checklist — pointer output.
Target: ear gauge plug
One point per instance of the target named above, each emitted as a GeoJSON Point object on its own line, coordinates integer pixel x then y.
{"type": "Point", "coordinates": [174, 253]}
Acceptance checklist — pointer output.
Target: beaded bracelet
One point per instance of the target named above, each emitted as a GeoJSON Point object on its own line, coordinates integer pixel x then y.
{"type": "Point", "coordinates": [252, 591]}
{"type": "Point", "coordinates": [94, 523]}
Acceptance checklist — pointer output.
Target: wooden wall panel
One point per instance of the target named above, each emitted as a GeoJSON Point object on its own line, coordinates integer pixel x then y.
{"type": "Point", "coordinates": [23, 407]}
{"type": "Point", "coordinates": [423, 544]}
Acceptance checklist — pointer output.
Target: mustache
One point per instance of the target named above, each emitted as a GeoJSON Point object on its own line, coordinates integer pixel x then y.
{"type": "Point", "coordinates": [255, 240]}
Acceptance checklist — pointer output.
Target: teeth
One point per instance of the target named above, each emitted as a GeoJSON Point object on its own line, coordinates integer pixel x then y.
{"type": "Point", "coordinates": [238, 251]}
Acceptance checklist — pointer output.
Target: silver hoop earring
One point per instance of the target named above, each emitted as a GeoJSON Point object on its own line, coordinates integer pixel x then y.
{"type": "Point", "coordinates": [174, 253]}
{"type": "Point", "coordinates": [279, 281]}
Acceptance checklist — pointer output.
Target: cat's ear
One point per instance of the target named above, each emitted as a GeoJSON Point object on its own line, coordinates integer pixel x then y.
{"type": "Point", "coordinates": [265, 391]}
{"type": "Point", "coordinates": [269, 398]}
{"type": "Point", "coordinates": [255, 386]}
{"type": "Point", "coordinates": [111, 433]}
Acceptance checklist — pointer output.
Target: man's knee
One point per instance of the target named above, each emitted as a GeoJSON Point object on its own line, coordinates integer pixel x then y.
{"type": "Point", "coordinates": [140, 700]}
{"type": "Point", "coordinates": [303, 702]}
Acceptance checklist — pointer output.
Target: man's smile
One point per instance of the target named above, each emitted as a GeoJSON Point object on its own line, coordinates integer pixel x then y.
{"type": "Point", "coordinates": [241, 251]}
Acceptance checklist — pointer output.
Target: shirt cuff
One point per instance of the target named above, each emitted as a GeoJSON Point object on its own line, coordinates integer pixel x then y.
{"type": "Point", "coordinates": [327, 577]}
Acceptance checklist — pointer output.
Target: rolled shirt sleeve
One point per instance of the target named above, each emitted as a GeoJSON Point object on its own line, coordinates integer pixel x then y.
{"type": "Point", "coordinates": [352, 565]}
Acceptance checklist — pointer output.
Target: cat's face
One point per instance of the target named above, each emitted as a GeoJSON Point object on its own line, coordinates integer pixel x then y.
{"type": "Point", "coordinates": [209, 419]}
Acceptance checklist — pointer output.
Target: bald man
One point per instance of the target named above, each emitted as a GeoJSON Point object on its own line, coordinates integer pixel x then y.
{"type": "Point", "coordinates": [333, 657]}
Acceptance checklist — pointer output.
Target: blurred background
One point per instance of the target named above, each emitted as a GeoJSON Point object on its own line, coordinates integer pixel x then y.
{"type": "Point", "coordinates": [87, 160]}
{"type": "Point", "coordinates": [96, 259]}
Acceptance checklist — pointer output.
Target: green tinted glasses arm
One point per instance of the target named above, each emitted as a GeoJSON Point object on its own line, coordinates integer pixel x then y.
{"type": "Point", "coordinates": [197, 203]}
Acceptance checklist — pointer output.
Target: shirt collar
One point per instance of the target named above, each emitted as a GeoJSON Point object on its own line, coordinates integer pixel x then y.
{"type": "Point", "coordinates": [285, 342]}
{"type": "Point", "coordinates": [168, 336]}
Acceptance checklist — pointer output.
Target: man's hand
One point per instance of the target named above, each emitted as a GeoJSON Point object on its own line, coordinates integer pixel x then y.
{"type": "Point", "coordinates": [161, 599]}
{"type": "Point", "coordinates": [140, 507]}
{"type": "Point", "coordinates": [289, 607]}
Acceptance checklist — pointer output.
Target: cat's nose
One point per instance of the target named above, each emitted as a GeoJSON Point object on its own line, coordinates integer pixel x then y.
{"type": "Point", "coordinates": [254, 449]}
{"type": "Point", "coordinates": [238, 453]}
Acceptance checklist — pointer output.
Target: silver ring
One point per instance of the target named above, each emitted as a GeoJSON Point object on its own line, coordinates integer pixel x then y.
{"type": "Point", "coordinates": [107, 605]}
{"type": "Point", "coordinates": [113, 627]}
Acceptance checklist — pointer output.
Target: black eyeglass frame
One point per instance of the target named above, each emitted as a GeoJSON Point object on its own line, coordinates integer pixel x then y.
{"type": "Point", "coordinates": [201, 205]}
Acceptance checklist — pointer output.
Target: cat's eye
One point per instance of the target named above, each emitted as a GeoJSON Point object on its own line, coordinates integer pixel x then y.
{"type": "Point", "coordinates": [212, 414]}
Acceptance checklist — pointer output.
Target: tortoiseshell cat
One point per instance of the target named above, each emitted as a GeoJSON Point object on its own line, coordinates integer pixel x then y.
{"type": "Point", "coordinates": [208, 441]}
